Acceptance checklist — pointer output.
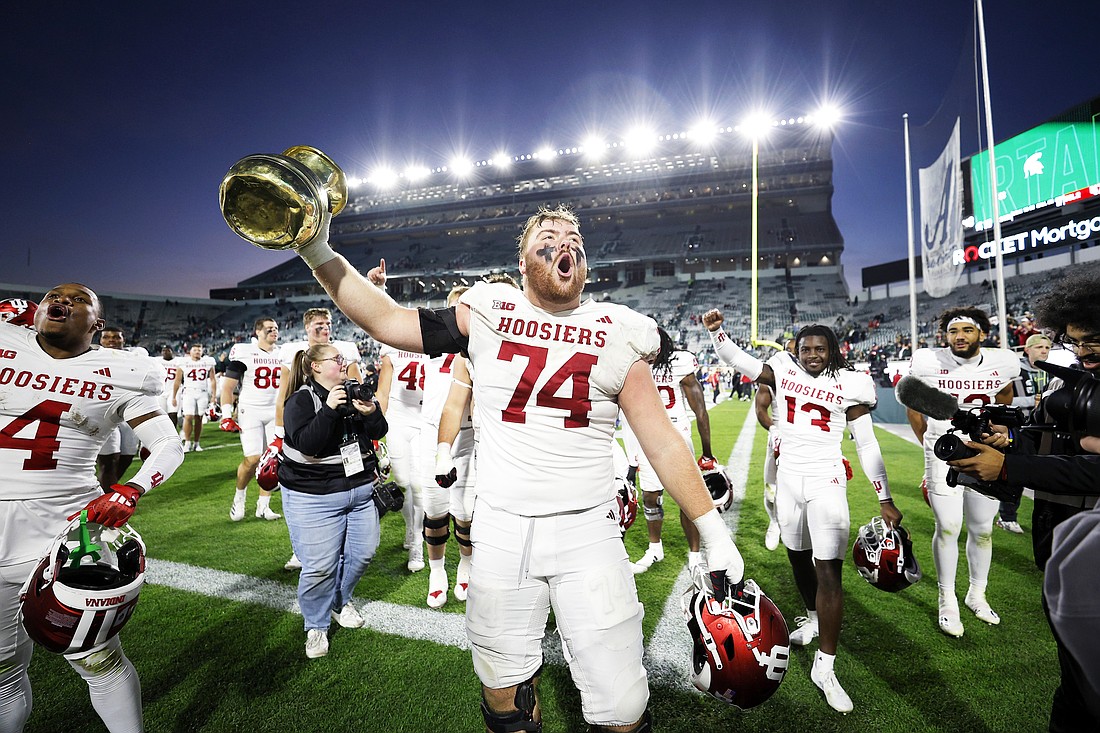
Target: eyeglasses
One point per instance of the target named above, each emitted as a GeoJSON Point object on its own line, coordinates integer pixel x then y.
{"type": "Point", "coordinates": [339, 359]}
{"type": "Point", "coordinates": [1091, 343]}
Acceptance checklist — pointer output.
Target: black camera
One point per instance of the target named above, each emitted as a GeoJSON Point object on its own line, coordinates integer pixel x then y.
{"type": "Point", "coordinates": [1075, 407]}
{"type": "Point", "coordinates": [974, 423]}
{"type": "Point", "coordinates": [356, 390]}
{"type": "Point", "coordinates": [388, 498]}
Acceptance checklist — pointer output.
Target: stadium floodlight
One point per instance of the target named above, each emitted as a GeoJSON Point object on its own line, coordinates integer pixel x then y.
{"type": "Point", "coordinates": [546, 152]}
{"type": "Point", "coordinates": [703, 132]}
{"type": "Point", "coordinates": [757, 125]}
{"type": "Point", "coordinates": [639, 140]}
{"type": "Point", "coordinates": [461, 167]}
{"type": "Point", "coordinates": [827, 116]}
{"type": "Point", "coordinates": [383, 177]}
{"type": "Point", "coordinates": [594, 147]}
{"type": "Point", "coordinates": [501, 160]}
{"type": "Point", "coordinates": [416, 173]}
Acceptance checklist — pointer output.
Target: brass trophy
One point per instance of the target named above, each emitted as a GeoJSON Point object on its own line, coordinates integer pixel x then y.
{"type": "Point", "coordinates": [279, 201]}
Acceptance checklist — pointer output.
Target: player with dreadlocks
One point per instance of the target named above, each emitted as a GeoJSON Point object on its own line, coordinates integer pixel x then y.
{"type": "Point", "coordinates": [674, 374]}
{"type": "Point", "coordinates": [817, 395]}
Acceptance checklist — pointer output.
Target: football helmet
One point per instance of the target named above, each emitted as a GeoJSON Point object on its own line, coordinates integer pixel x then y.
{"type": "Point", "coordinates": [626, 504]}
{"type": "Point", "coordinates": [719, 486]}
{"type": "Point", "coordinates": [382, 453]}
{"type": "Point", "coordinates": [85, 588]}
{"type": "Point", "coordinates": [740, 647]}
{"type": "Point", "coordinates": [18, 312]}
{"type": "Point", "coordinates": [884, 556]}
{"type": "Point", "coordinates": [267, 470]}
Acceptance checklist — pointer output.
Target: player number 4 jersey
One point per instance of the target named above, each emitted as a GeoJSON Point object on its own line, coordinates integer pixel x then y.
{"type": "Point", "coordinates": [546, 396]}
{"type": "Point", "coordinates": [812, 413]}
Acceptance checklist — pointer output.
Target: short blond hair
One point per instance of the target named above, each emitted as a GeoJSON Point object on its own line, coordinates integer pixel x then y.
{"type": "Point", "coordinates": [312, 313]}
{"type": "Point", "coordinates": [560, 213]}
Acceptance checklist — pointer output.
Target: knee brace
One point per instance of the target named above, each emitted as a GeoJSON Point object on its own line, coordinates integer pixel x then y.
{"type": "Point", "coordinates": [645, 725]}
{"type": "Point", "coordinates": [520, 720]}
{"type": "Point", "coordinates": [655, 513]}
{"type": "Point", "coordinates": [462, 534]}
{"type": "Point", "coordinates": [442, 523]}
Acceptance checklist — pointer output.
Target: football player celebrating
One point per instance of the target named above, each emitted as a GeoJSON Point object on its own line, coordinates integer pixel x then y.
{"type": "Point", "coordinates": [118, 452]}
{"type": "Point", "coordinates": [318, 327]}
{"type": "Point", "coordinates": [674, 375]}
{"type": "Point", "coordinates": [976, 376]}
{"type": "Point", "coordinates": [78, 395]}
{"type": "Point", "coordinates": [256, 368]}
{"type": "Point", "coordinates": [193, 391]}
{"type": "Point", "coordinates": [551, 373]}
{"type": "Point", "coordinates": [818, 394]}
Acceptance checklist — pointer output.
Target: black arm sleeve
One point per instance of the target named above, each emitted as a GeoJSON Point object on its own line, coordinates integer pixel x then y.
{"type": "Point", "coordinates": [1066, 475]}
{"type": "Point", "coordinates": [235, 369]}
{"type": "Point", "coordinates": [440, 334]}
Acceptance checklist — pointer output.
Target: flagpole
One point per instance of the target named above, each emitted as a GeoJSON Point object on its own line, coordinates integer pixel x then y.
{"type": "Point", "coordinates": [1001, 307]}
{"type": "Point", "coordinates": [909, 231]}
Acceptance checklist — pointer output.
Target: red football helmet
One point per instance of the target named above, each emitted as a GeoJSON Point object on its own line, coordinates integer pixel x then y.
{"type": "Point", "coordinates": [626, 503]}
{"type": "Point", "coordinates": [18, 312]}
{"type": "Point", "coordinates": [884, 556]}
{"type": "Point", "coordinates": [719, 486]}
{"type": "Point", "coordinates": [740, 647]}
{"type": "Point", "coordinates": [267, 470]}
{"type": "Point", "coordinates": [86, 587]}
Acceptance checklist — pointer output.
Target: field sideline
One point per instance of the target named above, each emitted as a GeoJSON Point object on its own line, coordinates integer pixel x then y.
{"type": "Point", "coordinates": [219, 645]}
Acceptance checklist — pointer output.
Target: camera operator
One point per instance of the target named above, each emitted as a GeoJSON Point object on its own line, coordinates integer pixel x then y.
{"type": "Point", "coordinates": [1064, 534]}
{"type": "Point", "coordinates": [329, 472]}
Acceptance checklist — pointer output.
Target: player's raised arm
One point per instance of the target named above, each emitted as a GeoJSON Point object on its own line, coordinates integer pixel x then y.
{"type": "Point", "coordinates": [732, 354]}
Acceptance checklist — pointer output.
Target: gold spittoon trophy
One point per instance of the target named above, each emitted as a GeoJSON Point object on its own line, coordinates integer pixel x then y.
{"type": "Point", "coordinates": [279, 201]}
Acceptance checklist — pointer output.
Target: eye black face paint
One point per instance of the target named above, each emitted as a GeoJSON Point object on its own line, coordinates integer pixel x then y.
{"type": "Point", "coordinates": [547, 253]}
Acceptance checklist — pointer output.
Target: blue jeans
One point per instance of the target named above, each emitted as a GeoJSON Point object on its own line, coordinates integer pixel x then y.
{"type": "Point", "coordinates": [335, 536]}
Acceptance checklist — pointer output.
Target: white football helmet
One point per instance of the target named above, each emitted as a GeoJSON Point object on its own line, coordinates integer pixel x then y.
{"type": "Point", "coordinates": [719, 486]}
{"type": "Point", "coordinates": [85, 588]}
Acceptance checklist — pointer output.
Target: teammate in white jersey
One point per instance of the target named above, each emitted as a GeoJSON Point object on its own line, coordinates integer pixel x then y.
{"type": "Point", "coordinates": [401, 396]}
{"type": "Point", "coordinates": [194, 390]}
{"type": "Point", "coordinates": [255, 366]}
{"type": "Point", "coordinates": [818, 395]}
{"type": "Point", "coordinates": [59, 400]}
{"type": "Point", "coordinates": [550, 375]}
{"type": "Point", "coordinates": [674, 374]}
{"type": "Point", "coordinates": [170, 364]}
{"type": "Point", "coordinates": [764, 406]}
{"type": "Point", "coordinates": [118, 452]}
{"type": "Point", "coordinates": [318, 327]}
{"type": "Point", "coordinates": [976, 376]}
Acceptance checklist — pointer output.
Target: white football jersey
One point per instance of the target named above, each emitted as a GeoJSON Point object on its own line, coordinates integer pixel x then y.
{"type": "Point", "coordinates": [437, 385]}
{"type": "Point", "coordinates": [813, 413]}
{"type": "Point", "coordinates": [546, 397]}
{"type": "Point", "coordinates": [170, 367]}
{"type": "Point", "coordinates": [260, 384]}
{"type": "Point", "coordinates": [196, 373]}
{"type": "Point", "coordinates": [973, 382]}
{"type": "Point", "coordinates": [682, 363]}
{"type": "Point", "coordinates": [406, 384]}
{"type": "Point", "coordinates": [55, 414]}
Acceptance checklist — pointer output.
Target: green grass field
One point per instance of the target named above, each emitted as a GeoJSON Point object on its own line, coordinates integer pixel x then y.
{"type": "Point", "coordinates": [212, 664]}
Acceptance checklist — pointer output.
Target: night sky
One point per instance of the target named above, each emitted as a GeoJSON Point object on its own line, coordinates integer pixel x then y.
{"type": "Point", "coordinates": [121, 118]}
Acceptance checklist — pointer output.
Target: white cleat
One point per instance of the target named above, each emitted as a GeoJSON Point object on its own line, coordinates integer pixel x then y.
{"type": "Point", "coordinates": [293, 563]}
{"type": "Point", "coordinates": [651, 556]}
{"type": "Point", "coordinates": [197, 448]}
{"type": "Point", "coordinates": [236, 511]}
{"type": "Point", "coordinates": [950, 623]}
{"type": "Point", "coordinates": [267, 514]}
{"type": "Point", "coordinates": [834, 694]}
{"type": "Point", "coordinates": [348, 617]}
{"type": "Point", "coordinates": [461, 590]}
{"type": "Point", "coordinates": [416, 559]}
{"type": "Point", "coordinates": [316, 643]}
{"type": "Point", "coordinates": [771, 537]}
{"type": "Point", "coordinates": [981, 608]}
{"type": "Point", "coordinates": [437, 588]}
{"type": "Point", "coordinates": [1013, 527]}
{"type": "Point", "coordinates": [805, 633]}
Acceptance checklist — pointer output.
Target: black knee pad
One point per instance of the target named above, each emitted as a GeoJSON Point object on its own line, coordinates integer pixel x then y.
{"type": "Point", "coordinates": [462, 535]}
{"type": "Point", "coordinates": [520, 720]}
{"type": "Point", "coordinates": [645, 725]}
{"type": "Point", "coordinates": [440, 523]}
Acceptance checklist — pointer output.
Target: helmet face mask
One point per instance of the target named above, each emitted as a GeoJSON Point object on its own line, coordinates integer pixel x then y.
{"type": "Point", "coordinates": [884, 556]}
{"type": "Point", "coordinates": [84, 590]}
{"type": "Point", "coordinates": [740, 647]}
{"type": "Point", "coordinates": [719, 486]}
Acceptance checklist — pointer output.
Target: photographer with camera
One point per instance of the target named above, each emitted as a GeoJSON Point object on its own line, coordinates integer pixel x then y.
{"type": "Point", "coordinates": [1065, 476]}
{"type": "Point", "coordinates": [329, 472]}
{"type": "Point", "coordinates": [976, 377]}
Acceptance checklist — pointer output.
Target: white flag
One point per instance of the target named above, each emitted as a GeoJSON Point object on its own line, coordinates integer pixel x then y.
{"type": "Point", "coordinates": [941, 219]}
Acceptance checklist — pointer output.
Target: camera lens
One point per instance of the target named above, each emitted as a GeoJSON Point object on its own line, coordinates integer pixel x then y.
{"type": "Point", "coordinates": [951, 447]}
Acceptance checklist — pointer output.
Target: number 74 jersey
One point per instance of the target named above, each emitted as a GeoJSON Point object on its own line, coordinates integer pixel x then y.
{"type": "Point", "coordinates": [546, 394]}
{"type": "Point", "coordinates": [812, 413]}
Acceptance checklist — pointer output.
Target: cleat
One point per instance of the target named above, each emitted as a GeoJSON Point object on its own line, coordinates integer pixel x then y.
{"type": "Point", "coordinates": [348, 617]}
{"type": "Point", "coordinates": [981, 608]}
{"type": "Point", "coordinates": [771, 537]}
{"type": "Point", "coordinates": [416, 559]}
{"type": "Point", "coordinates": [651, 556]}
{"type": "Point", "coordinates": [950, 623]}
{"type": "Point", "coordinates": [197, 448]}
{"type": "Point", "coordinates": [1013, 527]}
{"type": "Point", "coordinates": [236, 511]}
{"type": "Point", "coordinates": [316, 643]}
{"type": "Point", "coordinates": [834, 694]}
{"type": "Point", "coordinates": [186, 447]}
{"type": "Point", "coordinates": [461, 590]}
{"type": "Point", "coordinates": [805, 633]}
{"type": "Point", "coordinates": [293, 563]}
{"type": "Point", "coordinates": [437, 588]}
{"type": "Point", "coordinates": [267, 514]}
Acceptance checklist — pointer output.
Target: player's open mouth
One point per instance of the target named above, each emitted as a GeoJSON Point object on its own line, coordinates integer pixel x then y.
{"type": "Point", "coordinates": [57, 312]}
{"type": "Point", "coordinates": [565, 265]}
